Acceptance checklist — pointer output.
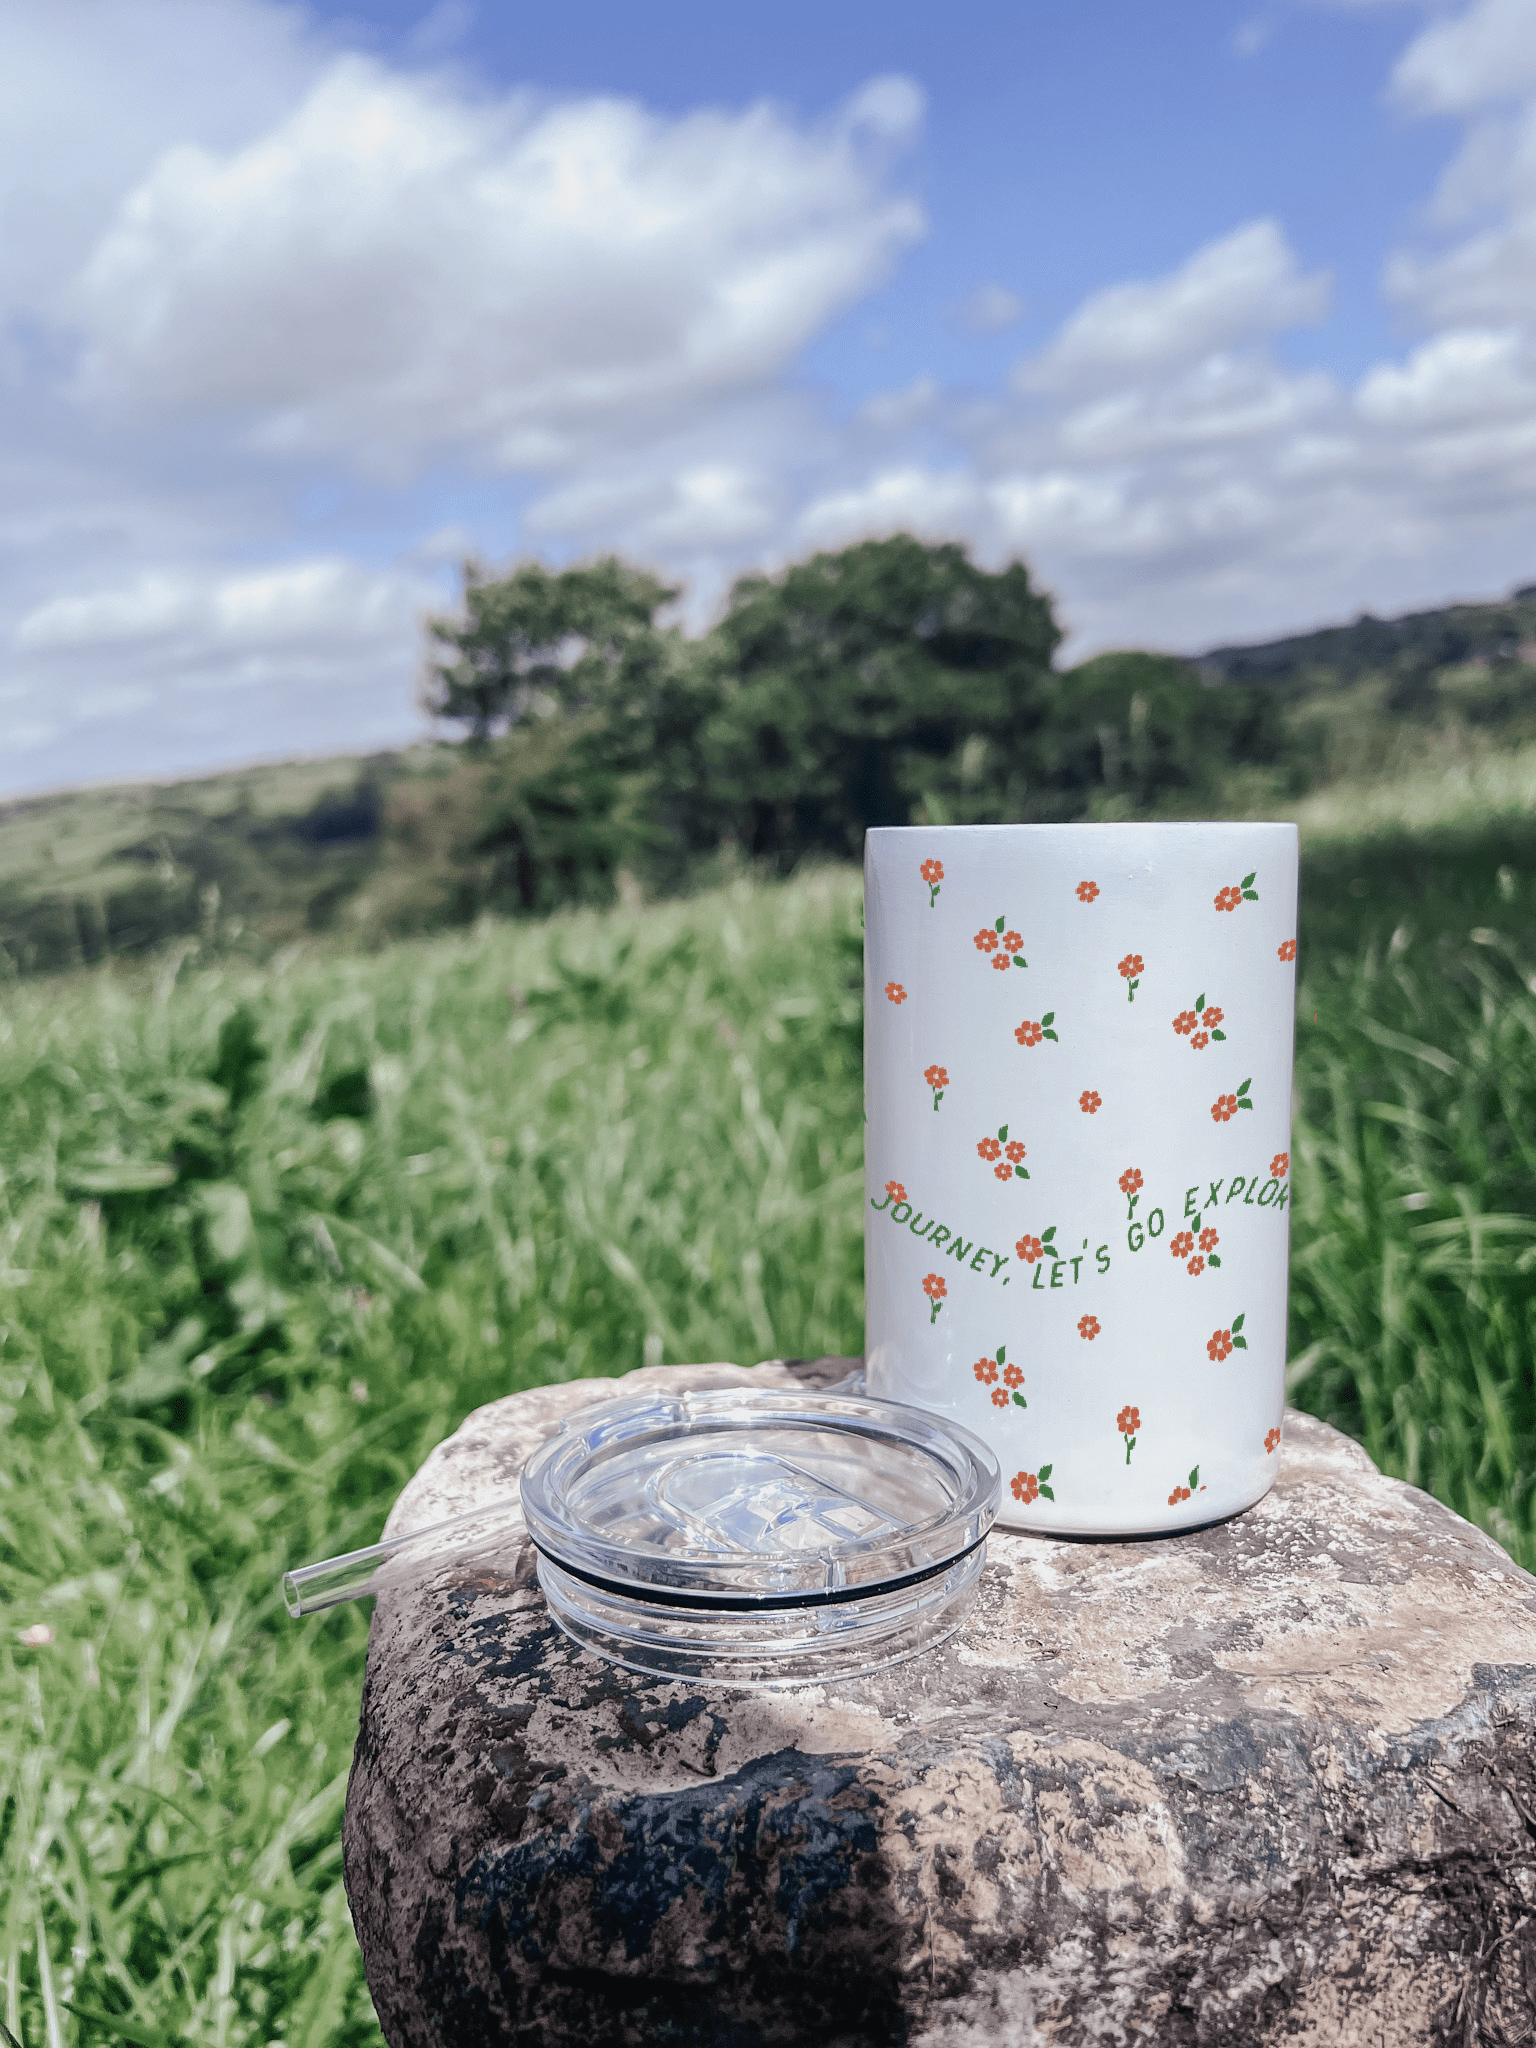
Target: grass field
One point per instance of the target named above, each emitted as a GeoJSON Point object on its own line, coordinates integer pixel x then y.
{"type": "Point", "coordinates": [267, 1233]}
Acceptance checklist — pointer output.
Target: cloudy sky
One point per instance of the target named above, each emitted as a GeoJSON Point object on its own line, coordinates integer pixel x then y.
{"type": "Point", "coordinates": [1223, 316]}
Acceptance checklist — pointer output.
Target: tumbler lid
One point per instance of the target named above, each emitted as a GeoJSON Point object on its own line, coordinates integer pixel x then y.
{"type": "Point", "coordinates": [747, 1531]}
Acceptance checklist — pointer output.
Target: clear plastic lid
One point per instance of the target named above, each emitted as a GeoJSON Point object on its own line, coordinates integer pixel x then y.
{"type": "Point", "coordinates": [758, 1537]}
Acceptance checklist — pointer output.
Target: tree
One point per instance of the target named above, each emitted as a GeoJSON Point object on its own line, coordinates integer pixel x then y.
{"type": "Point", "coordinates": [539, 641]}
{"type": "Point", "coordinates": [860, 686]}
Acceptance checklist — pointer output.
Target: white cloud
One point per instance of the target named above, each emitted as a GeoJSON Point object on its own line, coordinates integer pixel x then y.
{"type": "Point", "coordinates": [1246, 283]}
{"type": "Point", "coordinates": [325, 599]}
{"type": "Point", "coordinates": [990, 309]}
{"type": "Point", "coordinates": [1487, 53]}
{"type": "Point", "coordinates": [395, 270]}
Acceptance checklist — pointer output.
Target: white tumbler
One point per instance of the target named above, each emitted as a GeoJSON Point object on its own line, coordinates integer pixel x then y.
{"type": "Point", "coordinates": [1078, 1050]}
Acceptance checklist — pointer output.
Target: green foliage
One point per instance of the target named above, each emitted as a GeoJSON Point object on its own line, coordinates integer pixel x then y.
{"type": "Point", "coordinates": [538, 641]}
{"type": "Point", "coordinates": [265, 1236]}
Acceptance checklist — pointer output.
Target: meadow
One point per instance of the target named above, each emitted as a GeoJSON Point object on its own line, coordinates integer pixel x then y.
{"type": "Point", "coordinates": [267, 1231]}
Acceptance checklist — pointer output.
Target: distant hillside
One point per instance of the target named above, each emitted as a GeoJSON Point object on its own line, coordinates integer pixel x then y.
{"type": "Point", "coordinates": [1502, 634]}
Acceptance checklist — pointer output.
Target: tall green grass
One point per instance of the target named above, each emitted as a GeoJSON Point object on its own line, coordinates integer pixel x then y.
{"type": "Point", "coordinates": [265, 1236]}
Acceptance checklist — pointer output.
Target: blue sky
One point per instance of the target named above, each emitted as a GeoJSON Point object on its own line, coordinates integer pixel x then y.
{"type": "Point", "coordinates": [1222, 317]}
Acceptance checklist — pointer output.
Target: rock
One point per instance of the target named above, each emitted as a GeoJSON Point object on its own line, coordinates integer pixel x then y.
{"type": "Point", "coordinates": [1270, 1781]}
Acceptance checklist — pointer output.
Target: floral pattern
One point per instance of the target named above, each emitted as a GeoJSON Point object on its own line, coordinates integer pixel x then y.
{"type": "Point", "coordinates": [933, 873]}
{"type": "Point", "coordinates": [1182, 1244]}
{"type": "Point", "coordinates": [1195, 1267]}
{"type": "Point", "coordinates": [1007, 1152]}
{"type": "Point", "coordinates": [1030, 1249]}
{"type": "Point", "coordinates": [1223, 1343]}
{"type": "Point", "coordinates": [1128, 1422]}
{"type": "Point", "coordinates": [896, 1191]}
{"type": "Point", "coordinates": [1132, 967]}
{"type": "Point", "coordinates": [1237, 892]}
{"type": "Point", "coordinates": [1003, 945]}
{"type": "Point", "coordinates": [935, 1286]}
{"type": "Point", "coordinates": [1272, 1441]}
{"type": "Point", "coordinates": [1031, 1032]}
{"type": "Point", "coordinates": [895, 992]}
{"type": "Point", "coordinates": [1201, 1024]}
{"type": "Point", "coordinates": [1027, 1487]}
{"type": "Point", "coordinates": [1006, 1395]}
{"type": "Point", "coordinates": [1182, 1493]}
{"type": "Point", "coordinates": [1088, 1327]}
{"type": "Point", "coordinates": [1130, 1186]}
{"type": "Point", "coordinates": [1225, 1107]}
{"type": "Point", "coordinates": [1086, 891]}
{"type": "Point", "coordinates": [938, 1080]}
{"type": "Point", "coordinates": [1280, 1166]}
{"type": "Point", "coordinates": [1286, 950]}
{"type": "Point", "coordinates": [1090, 1102]}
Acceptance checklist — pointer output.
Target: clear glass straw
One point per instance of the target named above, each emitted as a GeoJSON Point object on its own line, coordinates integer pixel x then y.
{"type": "Point", "coordinates": [407, 1560]}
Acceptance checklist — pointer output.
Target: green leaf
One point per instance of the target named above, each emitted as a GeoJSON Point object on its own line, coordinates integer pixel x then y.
{"type": "Point", "coordinates": [1046, 1493]}
{"type": "Point", "coordinates": [1243, 1102]}
{"type": "Point", "coordinates": [1002, 1354]}
{"type": "Point", "coordinates": [1047, 1235]}
{"type": "Point", "coordinates": [1022, 1172]}
{"type": "Point", "coordinates": [1250, 895]}
{"type": "Point", "coordinates": [1002, 1132]}
{"type": "Point", "coordinates": [1048, 1018]}
{"type": "Point", "coordinates": [1019, 960]}
{"type": "Point", "coordinates": [1221, 1035]}
{"type": "Point", "coordinates": [1213, 1260]}
{"type": "Point", "coordinates": [1199, 1002]}
{"type": "Point", "coordinates": [119, 1176]}
{"type": "Point", "coordinates": [121, 2026]}
{"type": "Point", "coordinates": [1051, 1036]}
{"type": "Point", "coordinates": [1000, 923]}
{"type": "Point", "coordinates": [1238, 1321]}
{"type": "Point", "coordinates": [1248, 880]}
{"type": "Point", "coordinates": [1244, 1086]}
{"type": "Point", "coordinates": [1194, 1479]}
{"type": "Point", "coordinates": [1239, 1343]}
{"type": "Point", "coordinates": [1043, 1474]}
{"type": "Point", "coordinates": [1019, 1401]}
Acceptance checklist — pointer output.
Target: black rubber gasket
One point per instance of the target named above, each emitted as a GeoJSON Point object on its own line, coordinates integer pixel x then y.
{"type": "Point", "coordinates": [843, 1596]}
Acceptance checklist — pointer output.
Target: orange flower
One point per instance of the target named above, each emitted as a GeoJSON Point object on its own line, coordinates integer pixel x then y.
{"type": "Point", "coordinates": [933, 871]}
{"type": "Point", "coordinates": [1131, 965]}
{"type": "Point", "coordinates": [1196, 1267]}
{"type": "Point", "coordinates": [1200, 1041]}
{"type": "Point", "coordinates": [1208, 1239]}
{"type": "Point", "coordinates": [989, 1148]}
{"type": "Point", "coordinates": [1029, 1249]}
{"type": "Point", "coordinates": [1287, 949]}
{"type": "Point", "coordinates": [1128, 1421]}
{"type": "Point", "coordinates": [1228, 899]}
{"type": "Point", "coordinates": [1183, 1244]}
{"type": "Point", "coordinates": [1012, 942]}
{"type": "Point", "coordinates": [1088, 1327]}
{"type": "Point", "coordinates": [1086, 891]}
{"type": "Point", "coordinates": [1213, 1015]}
{"type": "Point", "coordinates": [1014, 1150]}
{"type": "Point", "coordinates": [1130, 1180]}
{"type": "Point", "coordinates": [1029, 1033]}
{"type": "Point", "coordinates": [896, 1191]}
{"type": "Point", "coordinates": [1003, 1172]}
{"type": "Point", "coordinates": [1012, 1377]}
{"type": "Point", "coordinates": [935, 1286]}
{"type": "Point", "coordinates": [1272, 1441]}
{"type": "Point", "coordinates": [1280, 1165]}
{"type": "Point", "coordinates": [999, 1397]}
{"type": "Point", "coordinates": [985, 1371]}
{"type": "Point", "coordinates": [985, 940]}
{"type": "Point", "coordinates": [1178, 1494]}
{"type": "Point", "coordinates": [1223, 1109]}
{"type": "Point", "coordinates": [1025, 1487]}
{"type": "Point", "coordinates": [1090, 1101]}
{"type": "Point", "coordinates": [1185, 1022]}
{"type": "Point", "coordinates": [938, 1077]}
{"type": "Point", "coordinates": [1220, 1346]}
{"type": "Point", "coordinates": [1001, 962]}
{"type": "Point", "coordinates": [895, 991]}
